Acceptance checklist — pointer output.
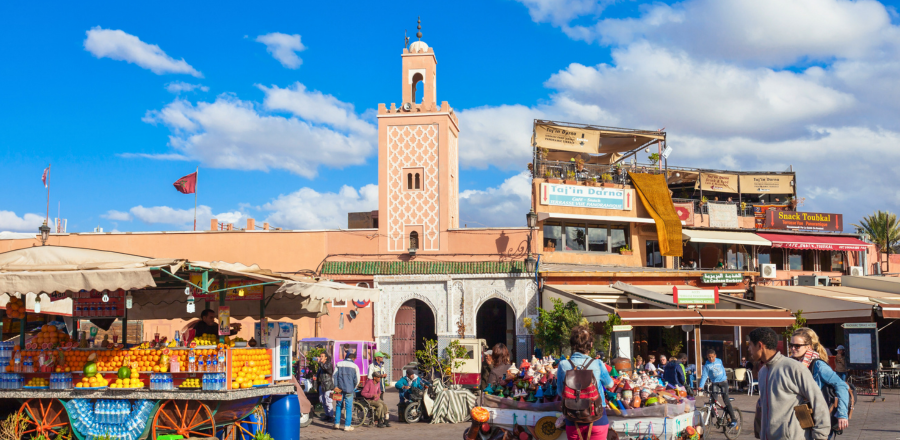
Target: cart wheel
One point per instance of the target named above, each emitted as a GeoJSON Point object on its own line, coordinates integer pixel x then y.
{"type": "Point", "coordinates": [246, 429]}
{"type": "Point", "coordinates": [44, 417]}
{"type": "Point", "coordinates": [189, 418]}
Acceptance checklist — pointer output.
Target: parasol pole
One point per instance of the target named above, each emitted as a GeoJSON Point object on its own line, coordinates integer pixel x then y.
{"type": "Point", "coordinates": [196, 184]}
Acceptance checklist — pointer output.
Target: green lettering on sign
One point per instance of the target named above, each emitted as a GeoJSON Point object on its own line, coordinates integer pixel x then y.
{"type": "Point", "coordinates": [721, 277]}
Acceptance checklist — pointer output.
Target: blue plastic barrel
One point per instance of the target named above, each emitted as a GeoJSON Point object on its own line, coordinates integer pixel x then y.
{"type": "Point", "coordinates": [284, 418]}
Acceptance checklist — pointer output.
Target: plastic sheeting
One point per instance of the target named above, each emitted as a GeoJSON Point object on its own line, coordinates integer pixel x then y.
{"type": "Point", "coordinates": [452, 405]}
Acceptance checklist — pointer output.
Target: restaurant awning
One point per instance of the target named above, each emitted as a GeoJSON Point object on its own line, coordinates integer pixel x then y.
{"type": "Point", "coordinates": [890, 308]}
{"type": "Point", "coordinates": [726, 237]}
{"type": "Point", "coordinates": [593, 310]}
{"type": "Point", "coordinates": [654, 317]}
{"type": "Point", "coordinates": [827, 304]}
{"type": "Point", "coordinates": [818, 242]}
{"type": "Point", "coordinates": [747, 318]}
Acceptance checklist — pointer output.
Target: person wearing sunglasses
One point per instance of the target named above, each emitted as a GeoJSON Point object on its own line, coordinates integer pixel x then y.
{"type": "Point", "coordinates": [806, 348]}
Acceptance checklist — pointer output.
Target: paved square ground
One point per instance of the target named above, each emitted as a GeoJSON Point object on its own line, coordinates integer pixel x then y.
{"type": "Point", "coordinates": [879, 420]}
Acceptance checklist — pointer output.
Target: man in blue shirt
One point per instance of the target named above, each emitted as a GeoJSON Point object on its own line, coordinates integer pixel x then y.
{"type": "Point", "coordinates": [411, 380]}
{"type": "Point", "coordinates": [714, 371]}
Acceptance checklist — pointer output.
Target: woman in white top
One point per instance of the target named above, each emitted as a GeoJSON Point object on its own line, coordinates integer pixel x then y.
{"type": "Point", "coordinates": [650, 366]}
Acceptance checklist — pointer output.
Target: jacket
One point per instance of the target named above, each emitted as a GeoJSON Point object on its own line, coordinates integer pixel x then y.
{"type": "Point", "coordinates": [372, 390]}
{"type": "Point", "coordinates": [823, 374]}
{"type": "Point", "coordinates": [784, 384]}
{"type": "Point", "coordinates": [326, 369]}
{"type": "Point", "coordinates": [378, 368]}
{"type": "Point", "coordinates": [346, 376]}
{"type": "Point", "coordinates": [673, 374]}
{"type": "Point", "coordinates": [579, 359]}
{"type": "Point", "coordinates": [404, 381]}
{"type": "Point", "coordinates": [714, 372]}
{"type": "Point", "coordinates": [840, 364]}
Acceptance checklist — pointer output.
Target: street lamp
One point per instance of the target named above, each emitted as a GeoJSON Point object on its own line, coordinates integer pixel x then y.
{"type": "Point", "coordinates": [530, 264]}
{"type": "Point", "coordinates": [45, 233]}
{"type": "Point", "coordinates": [531, 221]}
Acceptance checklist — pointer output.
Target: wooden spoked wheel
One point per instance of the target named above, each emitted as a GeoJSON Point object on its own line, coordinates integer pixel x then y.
{"type": "Point", "coordinates": [187, 418]}
{"type": "Point", "coordinates": [44, 417]}
{"type": "Point", "coordinates": [246, 429]}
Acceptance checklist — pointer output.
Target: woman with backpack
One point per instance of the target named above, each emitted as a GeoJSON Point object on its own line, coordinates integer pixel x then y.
{"type": "Point", "coordinates": [806, 348]}
{"type": "Point", "coordinates": [581, 381]}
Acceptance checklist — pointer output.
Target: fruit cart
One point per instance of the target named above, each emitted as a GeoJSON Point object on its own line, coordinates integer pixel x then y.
{"type": "Point", "coordinates": [69, 386]}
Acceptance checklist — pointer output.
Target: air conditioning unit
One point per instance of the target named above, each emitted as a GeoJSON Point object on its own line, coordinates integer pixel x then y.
{"type": "Point", "coordinates": [856, 271]}
{"type": "Point", "coordinates": [768, 271]}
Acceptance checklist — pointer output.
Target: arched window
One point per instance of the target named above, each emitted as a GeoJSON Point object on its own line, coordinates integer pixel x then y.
{"type": "Point", "coordinates": [417, 92]}
{"type": "Point", "coordinates": [413, 240]}
{"type": "Point", "coordinates": [409, 184]}
{"type": "Point", "coordinates": [417, 181]}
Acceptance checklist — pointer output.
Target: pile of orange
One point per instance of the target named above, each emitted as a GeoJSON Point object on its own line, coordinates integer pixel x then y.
{"type": "Point", "coordinates": [183, 356]}
{"type": "Point", "coordinates": [50, 334]}
{"type": "Point", "coordinates": [250, 367]}
{"type": "Point", "coordinates": [92, 382]}
{"type": "Point", "coordinates": [15, 308]}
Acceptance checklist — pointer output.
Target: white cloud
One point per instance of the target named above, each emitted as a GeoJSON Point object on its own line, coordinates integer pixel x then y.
{"type": "Point", "coordinates": [28, 222]}
{"type": "Point", "coordinates": [177, 87]}
{"type": "Point", "coordinates": [492, 206]}
{"type": "Point", "coordinates": [231, 133]}
{"type": "Point", "coordinates": [165, 156]}
{"type": "Point", "coordinates": [560, 12]}
{"type": "Point", "coordinates": [310, 209]}
{"type": "Point", "coordinates": [284, 48]}
{"type": "Point", "coordinates": [114, 215]}
{"type": "Point", "coordinates": [118, 45]}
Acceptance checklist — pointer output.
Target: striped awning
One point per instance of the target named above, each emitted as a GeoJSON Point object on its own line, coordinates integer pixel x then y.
{"type": "Point", "coordinates": [452, 405]}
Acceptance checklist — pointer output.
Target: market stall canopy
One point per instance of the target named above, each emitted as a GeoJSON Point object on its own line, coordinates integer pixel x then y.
{"type": "Point", "coordinates": [584, 297]}
{"type": "Point", "coordinates": [329, 290]}
{"type": "Point", "coordinates": [591, 139]}
{"type": "Point", "coordinates": [726, 237]}
{"type": "Point", "coordinates": [818, 242]}
{"type": "Point", "coordinates": [879, 283]}
{"type": "Point", "coordinates": [48, 269]}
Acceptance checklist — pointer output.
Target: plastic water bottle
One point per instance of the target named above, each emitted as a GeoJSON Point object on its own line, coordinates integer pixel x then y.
{"type": "Point", "coordinates": [192, 359]}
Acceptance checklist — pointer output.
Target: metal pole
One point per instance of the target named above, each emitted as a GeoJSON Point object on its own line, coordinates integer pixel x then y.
{"type": "Point", "coordinates": [125, 328]}
{"type": "Point", "coordinates": [196, 184]}
{"type": "Point", "coordinates": [22, 330]}
{"type": "Point", "coordinates": [262, 321]}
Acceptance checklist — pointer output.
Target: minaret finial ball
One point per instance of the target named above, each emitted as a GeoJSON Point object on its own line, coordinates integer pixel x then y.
{"type": "Point", "coordinates": [419, 27]}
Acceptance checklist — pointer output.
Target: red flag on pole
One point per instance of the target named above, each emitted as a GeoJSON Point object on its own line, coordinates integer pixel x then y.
{"type": "Point", "coordinates": [44, 176]}
{"type": "Point", "coordinates": [187, 184]}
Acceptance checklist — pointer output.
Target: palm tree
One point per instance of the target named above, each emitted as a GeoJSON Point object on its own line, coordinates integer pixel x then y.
{"type": "Point", "coordinates": [883, 230]}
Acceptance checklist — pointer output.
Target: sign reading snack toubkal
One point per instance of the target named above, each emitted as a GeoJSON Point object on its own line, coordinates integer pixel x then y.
{"type": "Point", "coordinates": [587, 197]}
{"type": "Point", "coordinates": [808, 221]}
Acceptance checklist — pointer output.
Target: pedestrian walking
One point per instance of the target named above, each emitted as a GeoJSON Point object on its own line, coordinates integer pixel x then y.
{"type": "Point", "coordinates": [806, 348]}
{"type": "Point", "coordinates": [325, 380]}
{"type": "Point", "coordinates": [840, 362]}
{"type": "Point", "coordinates": [785, 388]}
{"type": "Point", "coordinates": [592, 421]}
{"type": "Point", "coordinates": [346, 379]}
{"type": "Point", "coordinates": [714, 372]}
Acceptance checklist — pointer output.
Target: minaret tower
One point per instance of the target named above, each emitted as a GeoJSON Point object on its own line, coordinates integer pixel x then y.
{"type": "Point", "coordinates": [418, 160]}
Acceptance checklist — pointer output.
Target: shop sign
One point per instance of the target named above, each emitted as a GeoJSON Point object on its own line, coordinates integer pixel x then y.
{"type": "Point", "coordinates": [587, 197]}
{"type": "Point", "coordinates": [859, 325]}
{"type": "Point", "coordinates": [727, 183]}
{"type": "Point", "coordinates": [567, 139]}
{"type": "Point", "coordinates": [695, 296]}
{"type": "Point", "coordinates": [766, 184]}
{"type": "Point", "coordinates": [760, 212]}
{"type": "Point", "coordinates": [721, 278]}
{"type": "Point", "coordinates": [622, 328]}
{"type": "Point", "coordinates": [809, 221]}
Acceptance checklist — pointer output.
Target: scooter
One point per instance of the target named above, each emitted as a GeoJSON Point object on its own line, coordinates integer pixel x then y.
{"type": "Point", "coordinates": [420, 404]}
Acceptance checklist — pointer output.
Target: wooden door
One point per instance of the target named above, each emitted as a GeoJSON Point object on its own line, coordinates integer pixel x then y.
{"type": "Point", "coordinates": [404, 341]}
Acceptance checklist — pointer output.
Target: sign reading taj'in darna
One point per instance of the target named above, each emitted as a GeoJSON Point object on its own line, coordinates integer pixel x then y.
{"type": "Point", "coordinates": [587, 197]}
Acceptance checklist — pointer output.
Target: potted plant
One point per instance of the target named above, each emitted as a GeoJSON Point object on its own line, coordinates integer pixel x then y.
{"type": "Point", "coordinates": [625, 250]}
{"type": "Point", "coordinates": [531, 168]}
{"type": "Point", "coordinates": [570, 178]}
{"type": "Point", "coordinates": [607, 179]}
{"type": "Point", "coordinates": [654, 158]}
{"type": "Point", "coordinates": [704, 200]}
{"type": "Point", "coordinates": [550, 178]}
{"type": "Point", "coordinates": [594, 181]}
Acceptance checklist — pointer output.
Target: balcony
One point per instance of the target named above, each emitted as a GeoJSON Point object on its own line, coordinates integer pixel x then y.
{"type": "Point", "coordinates": [588, 172]}
{"type": "Point", "coordinates": [703, 208]}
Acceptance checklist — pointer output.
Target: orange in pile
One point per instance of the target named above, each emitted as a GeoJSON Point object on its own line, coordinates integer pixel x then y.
{"type": "Point", "coordinates": [50, 334]}
{"type": "Point", "coordinates": [250, 367]}
{"type": "Point", "coordinates": [15, 308]}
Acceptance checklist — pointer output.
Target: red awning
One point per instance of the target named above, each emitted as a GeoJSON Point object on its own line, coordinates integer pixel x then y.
{"type": "Point", "coordinates": [747, 318]}
{"type": "Point", "coordinates": [819, 242]}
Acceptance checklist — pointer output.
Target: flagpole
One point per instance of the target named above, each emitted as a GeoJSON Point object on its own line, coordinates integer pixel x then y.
{"type": "Point", "coordinates": [48, 194]}
{"type": "Point", "coordinates": [196, 184]}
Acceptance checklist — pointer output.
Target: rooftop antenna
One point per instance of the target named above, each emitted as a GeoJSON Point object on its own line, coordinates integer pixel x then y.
{"type": "Point", "coordinates": [419, 28]}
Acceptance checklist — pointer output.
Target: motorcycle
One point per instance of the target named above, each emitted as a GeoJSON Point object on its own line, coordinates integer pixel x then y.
{"type": "Point", "coordinates": [420, 404]}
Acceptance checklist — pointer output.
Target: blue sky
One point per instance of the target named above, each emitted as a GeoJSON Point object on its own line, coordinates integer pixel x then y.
{"type": "Point", "coordinates": [280, 121]}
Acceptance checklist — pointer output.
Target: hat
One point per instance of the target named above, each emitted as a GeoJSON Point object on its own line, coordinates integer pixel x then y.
{"type": "Point", "coordinates": [379, 354]}
{"type": "Point", "coordinates": [840, 347]}
{"type": "Point", "coordinates": [411, 371]}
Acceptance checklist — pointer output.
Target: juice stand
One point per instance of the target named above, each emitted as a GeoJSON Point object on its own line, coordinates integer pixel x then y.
{"type": "Point", "coordinates": [69, 386]}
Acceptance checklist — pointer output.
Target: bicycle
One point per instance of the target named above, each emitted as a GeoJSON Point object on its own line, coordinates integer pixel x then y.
{"type": "Point", "coordinates": [714, 412]}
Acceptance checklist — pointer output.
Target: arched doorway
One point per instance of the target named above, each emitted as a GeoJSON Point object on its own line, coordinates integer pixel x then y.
{"type": "Point", "coordinates": [413, 325]}
{"type": "Point", "coordinates": [495, 322]}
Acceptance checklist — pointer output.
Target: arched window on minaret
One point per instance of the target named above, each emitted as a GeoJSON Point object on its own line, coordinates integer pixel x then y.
{"type": "Point", "coordinates": [417, 181]}
{"type": "Point", "coordinates": [409, 184]}
{"type": "Point", "coordinates": [418, 92]}
{"type": "Point", "coordinates": [413, 240]}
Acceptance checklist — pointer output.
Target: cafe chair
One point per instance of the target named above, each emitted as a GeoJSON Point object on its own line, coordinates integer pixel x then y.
{"type": "Point", "coordinates": [753, 383]}
{"type": "Point", "coordinates": [729, 375]}
{"type": "Point", "coordinates": [740, 375]}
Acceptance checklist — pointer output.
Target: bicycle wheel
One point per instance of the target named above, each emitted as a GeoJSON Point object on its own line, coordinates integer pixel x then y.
{"type": "Point", "coordinates": [360, 413]}
{"type": "Point", "coordinates": [733, 433]}
{"type": "Point", "coordinates": [706, 418]}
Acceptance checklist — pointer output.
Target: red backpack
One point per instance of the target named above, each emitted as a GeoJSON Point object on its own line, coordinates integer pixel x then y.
{"type": "Point", "coordinates": [581, 396]}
